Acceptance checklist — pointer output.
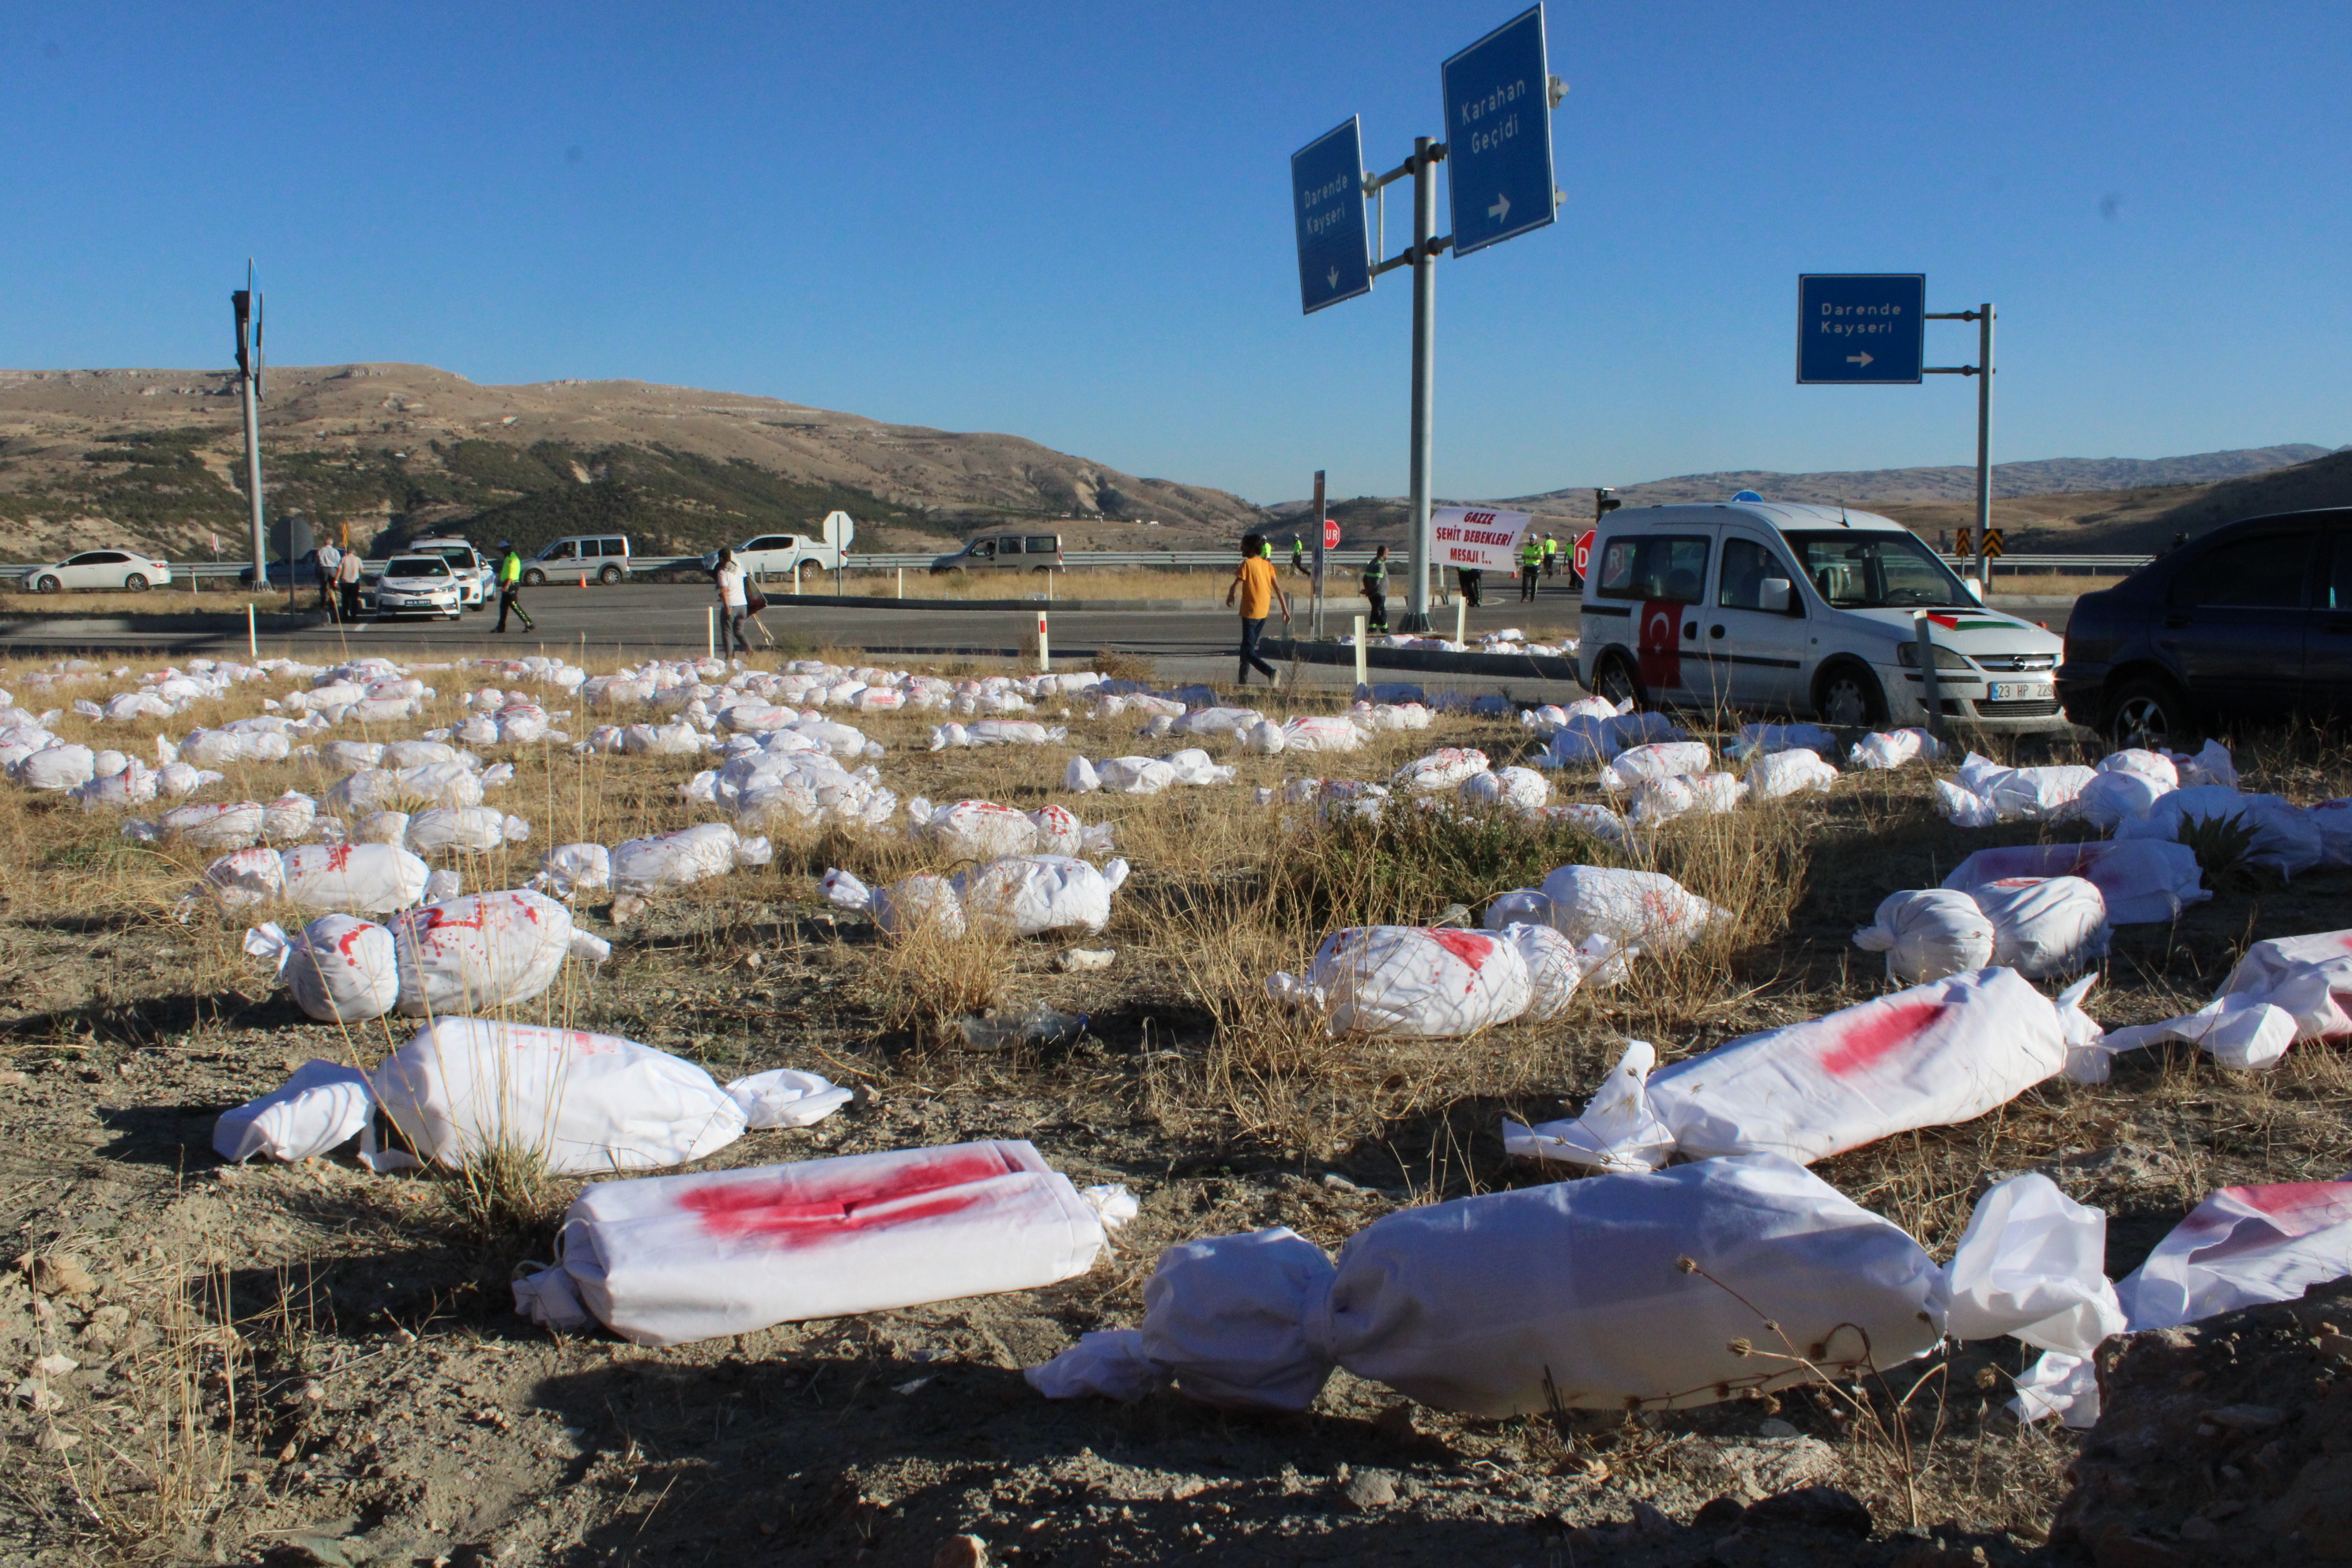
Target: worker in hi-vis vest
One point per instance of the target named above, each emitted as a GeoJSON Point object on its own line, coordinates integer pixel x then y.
{"type": "Point", "coordinates": [1530, 566]}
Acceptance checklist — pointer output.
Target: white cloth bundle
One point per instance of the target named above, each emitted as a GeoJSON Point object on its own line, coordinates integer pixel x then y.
{"type": "Point", "coordinates": [1929, 934]}
{"type": "Point", "coordinates": [248, 877]}
{"type": "Point", "coordinates": [1230, 722]}
{"type": "Point", "coordinates": [1672, 1288]}
{"type": "Point", "coordinates": [680, 859]}
{"type": "Point", "coordinates": [1657, 760]}
{"type": "Point", "coordinates": [1928, 1057]}
{"type": "Point", "coordinates": [1145, 776]}
{"type": "Point", "coordinates": [1321, 732]}
{"type": "Point", "coordinates": [977, 830]}
{"type": "Point", "coordinates": [570, 869]}
{"type": "Point", "coordinates": [1418, 982]}
{"type": "Point", "coordinates": [2285, 838]}
{"type": "Point", "coordinates": [584, 1103]}
{"type": "Point", "coordinates": [235, 825]}
{"type": "Point", "coordinates": [676, 740]}
{"type": "Point", "coordinates": [358, 879]}
{"type": "Point", "coordinates": [2141, 880]}
{"type": "Point", "coordinates": [1446, 769]}
{"type": "Point", "coordinates": [1026, 894]}
{"type": "Point", "coordinates": [1987, 793]}
{"type": "Point", "coordinates": [1034, 893]}
{"type": "Point", "coordinates": [1512, 789]}
{"type": "Point", "coordinates": [342, 969]}
{"type": "Point", "coordinates": [668, 1261]}
{"type": "Point", "coordinates": [62, 766]}
{"type": "Point", "coordinates": [2284, 990]}
{"type": "Point", "coordinates": [2243, 1246]}
{"type": "Point", "coordinates": [1883, 749]}
{"type": "Point", "coordinates": [902, 907]}
{"type": "Point", "coordinates": [1662, 800]}
{"type": "Point", "coordinates": [466, 827]}
{"type": "Point", "coordinates": [321, 1107]}
{"type": "Point", "coordinates": [2116, 794]}
{"type": "Point", "coordinates": [1647, 911]}
{"type": "Point", "coordinates": [2045, 925]}
{"type": "Point", "coordinates": [485, 952]}
{"type": "Point", "coordinates": [997, 732]}
{"type": "Point", "coordinates": [401, 789]}
{"type": "Point", "coordinates": [1786, 772]}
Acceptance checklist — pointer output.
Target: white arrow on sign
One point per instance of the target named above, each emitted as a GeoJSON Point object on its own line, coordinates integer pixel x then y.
{"type": "Point", "coordinates": [1335, 278]}
{"type": "Point", "coordinates": [1501, 211]}
{"type": "Point", "coordinates": [1862, 358]}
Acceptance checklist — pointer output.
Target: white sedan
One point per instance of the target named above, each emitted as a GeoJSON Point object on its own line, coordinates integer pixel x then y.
{"type": "Point", "coordinates": [419, 585]}
{"type": "Point", "coordinates": [100, 569]}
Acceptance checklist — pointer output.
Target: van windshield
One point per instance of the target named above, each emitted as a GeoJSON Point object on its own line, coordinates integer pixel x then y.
{"type": "Point", "coordinates": [1877, 570]}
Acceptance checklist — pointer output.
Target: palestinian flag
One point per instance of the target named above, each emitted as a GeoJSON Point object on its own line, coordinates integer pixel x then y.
{"type": "Point", "coordinates": [1970, 623]}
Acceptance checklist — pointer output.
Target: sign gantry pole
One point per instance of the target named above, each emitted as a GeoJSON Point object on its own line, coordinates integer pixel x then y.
{"type": "Point", "coordinates": [1499, 96]}
{"type": "Point", "coordinates": [1426, 246]}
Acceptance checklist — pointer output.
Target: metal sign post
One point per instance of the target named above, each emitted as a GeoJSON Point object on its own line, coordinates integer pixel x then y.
{"type": "Point", "coordinates": [1499, 95]}
{"type": "Point", "coordinates": [1315, 619]}
{"type": "Point", "coordinates": [1982, 370]}
{"type": "Point", "coordinates": [247, 304]}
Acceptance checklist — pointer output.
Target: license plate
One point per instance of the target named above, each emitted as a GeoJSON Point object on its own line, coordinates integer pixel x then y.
{"type": "Point", "coordinates": [2019, 691]}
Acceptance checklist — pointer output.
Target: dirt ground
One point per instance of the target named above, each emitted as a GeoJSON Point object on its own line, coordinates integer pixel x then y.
{"type": "Point", "coordinates": [311, 1363]}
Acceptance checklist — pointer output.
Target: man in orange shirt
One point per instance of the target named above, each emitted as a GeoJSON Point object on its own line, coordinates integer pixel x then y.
{"type": "Point", "coordinates": [1260, 590]}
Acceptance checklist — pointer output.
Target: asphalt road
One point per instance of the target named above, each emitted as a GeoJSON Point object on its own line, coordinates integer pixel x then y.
{"type": "Point", "coordinates": [632, 620]}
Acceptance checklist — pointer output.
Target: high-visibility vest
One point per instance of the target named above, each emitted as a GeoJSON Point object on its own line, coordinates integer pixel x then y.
{"type": "Point", "coordinates": [1531, 552]}
{"type": "Point", "coordinates": [1552, 546]}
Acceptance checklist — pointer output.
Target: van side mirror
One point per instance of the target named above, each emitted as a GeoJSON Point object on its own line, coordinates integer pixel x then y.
{"type": "Point", "coordinates": [1774, 596]}
{"type": "Point", "coordinates": [1976, 589]}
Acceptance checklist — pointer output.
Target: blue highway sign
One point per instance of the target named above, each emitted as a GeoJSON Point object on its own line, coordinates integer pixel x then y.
{"type": "Point", "coordinates": [1498, 135]}
{"type": "Point", "coordinates": [1326, 197]}
{"type": "Point", "coordinates": [1861, 329]}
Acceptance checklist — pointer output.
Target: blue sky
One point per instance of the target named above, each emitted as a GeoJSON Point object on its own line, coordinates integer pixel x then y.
{"type": "Point", "coordinates": [1072, 222]}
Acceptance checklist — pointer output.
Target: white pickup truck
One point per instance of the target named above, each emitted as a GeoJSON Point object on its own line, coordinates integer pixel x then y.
{"type": "Point", "coordinates": [775, 554]}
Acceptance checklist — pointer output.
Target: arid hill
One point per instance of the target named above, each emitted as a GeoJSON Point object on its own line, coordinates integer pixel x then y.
{"type": "Point", "coordinates": [152, 458]}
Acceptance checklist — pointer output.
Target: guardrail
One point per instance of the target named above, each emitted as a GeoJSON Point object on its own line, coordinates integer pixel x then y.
{"type": "Point", "coordinates": [1188, 560]}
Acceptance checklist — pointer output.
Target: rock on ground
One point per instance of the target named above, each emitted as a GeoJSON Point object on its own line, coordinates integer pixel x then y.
{"type": "Point", "coordinates": [2228, 1440]}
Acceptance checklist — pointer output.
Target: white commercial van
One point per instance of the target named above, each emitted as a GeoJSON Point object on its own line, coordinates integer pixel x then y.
{"type": "Point", "coordinates": [1780, 607]}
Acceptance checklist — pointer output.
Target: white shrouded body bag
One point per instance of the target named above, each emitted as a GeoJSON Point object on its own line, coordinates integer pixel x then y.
{"type": "Point", "coordinates": [666, 1260]}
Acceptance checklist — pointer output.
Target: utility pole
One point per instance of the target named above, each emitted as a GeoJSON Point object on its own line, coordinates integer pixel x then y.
{"type": "Point", "coordinates": [1426, 247]}
{"type": "Point", "coordinates": [246, 302]}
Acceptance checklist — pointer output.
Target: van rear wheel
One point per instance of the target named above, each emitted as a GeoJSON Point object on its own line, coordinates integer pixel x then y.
{"type": "Point", "coordinates": [1616, 679]}
{"type": "Point", "coordinates": [609, 575]}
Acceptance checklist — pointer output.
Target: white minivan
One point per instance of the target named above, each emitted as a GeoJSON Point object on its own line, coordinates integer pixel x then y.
{"type": "Point", "coordinates": [1780, 607]}
{"type": "Point", "coordinates": [576, 559]}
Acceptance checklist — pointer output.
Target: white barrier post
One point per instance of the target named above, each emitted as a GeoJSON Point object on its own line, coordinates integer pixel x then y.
{"type": "Point", "coordinates": [710, 631]}
{"type": "Point", "coordinates": [1045, 655]}
{"type": "Point", "coordinates": [1461, 619]}
{"type": "Point", "coordinates": [1362, 671]}
{"type": "Point", "coordinates": [902, 581]}
{"type": "Point", "coordinates": [796, 579]}
{"type": "Point", "coordinates": [252, 646]}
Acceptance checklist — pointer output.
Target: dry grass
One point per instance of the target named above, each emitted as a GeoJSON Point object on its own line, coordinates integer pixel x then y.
{"type": "Point", "coordinates": [1188, 1044]}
